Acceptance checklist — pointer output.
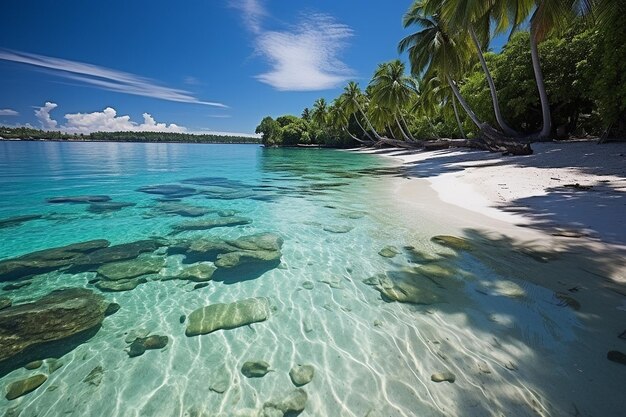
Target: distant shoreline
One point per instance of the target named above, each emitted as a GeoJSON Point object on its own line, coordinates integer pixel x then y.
{"type": "Point", "coordinates": [199, 142]}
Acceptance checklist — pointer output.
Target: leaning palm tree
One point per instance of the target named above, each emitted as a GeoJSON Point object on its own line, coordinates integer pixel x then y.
{"type": "Point", "coordinates": [434, 51]}
{"type": "Point", "coordinates": [435, 96]}
{"type": "Point", "coordinates": [394, 90]}
{"type": "Point", "coordinates": [353, 98]}
{"type": "Point", "coordinates": [338, 119]}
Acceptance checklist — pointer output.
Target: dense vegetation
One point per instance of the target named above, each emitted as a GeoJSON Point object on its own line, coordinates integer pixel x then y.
{"type": "Point", "coordinates": [564, 76]}
{"type": "Point", "coordinates": [36, 134]}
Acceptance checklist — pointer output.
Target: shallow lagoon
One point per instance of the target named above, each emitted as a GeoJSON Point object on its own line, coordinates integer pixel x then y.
{"type": "Point", "coordinates": [507, 342]}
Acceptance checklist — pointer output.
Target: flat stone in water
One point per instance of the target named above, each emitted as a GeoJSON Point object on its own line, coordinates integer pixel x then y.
{"type": "Point", "coordinates": [18, 220]}
{"type": "Point", "coordinates": [255, 369]}
{"type": "Point", "coordinates": [443, 376]}
{"type": "Point", "coordinates": [307, 285]}
{"type": "Point", "coordinates": [79, 199]}
{"type": "Point", "coordinates": [292, 404]}
{"type": "Point", "coordinates": [140, 345]}
{"type": "Point", "coordinates": [616, 356]}
{"type": "Point", "coordinates": [227, 316]}
{"type": "Point", "coordinates": [389, 251]}
{"type": "Point", "coordinates": [301, 374]}
{"type": "Point", "coordinates": [130, 269]}
{"type": "Point", "coordinates": [198, 272]}
{"type": "Point", "coordinates": [16, 286]}
{"type": "Point", "coordinates": [120, 285]}
{"type": "Point", "coordinates": [136, 333]}
{"type": "Point", "coordinates": [212, 223]}
{"type": "Point", "coordinates": [47, 260]}
{"type": "Point", "coordinates": [33, 365]}
{"type": "Point", "coordinates": [112, 309]}
{"type": "Point", "coordinates": [107, 206]}
{"type": "Point", "coordinates": [23, 387]}
{"type": "Point", "coordinates": [58, 315]}
{"type": "Point", "coordinates": [94, 377]}
{"type": "Point", "coordinates": [452, 242]}
{"type": "Point", "coordinates": [405, 287]}
{"type": "Point", "coordinates": [117, 253]}
{"type": "Point", "coordinates": [201, 285]}
{"type": "Point", "coordinates": [337, 228]}
{"type": "Point", "coordinates": [181, 209]}
{"type": "Point", "coordinates": [5, 302]}
{"type": "Point", "coordinates": [171, 191]}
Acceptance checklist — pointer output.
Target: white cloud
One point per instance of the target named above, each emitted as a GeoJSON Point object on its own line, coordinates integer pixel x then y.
{"type": "Point", "coordinates": [303, 58]}
{"type": "Point", "coordinates": [253, 13]}
{"type": "Point", "coordinates": [8, 112]}
{"type": "Point", "coordinates": [105, 78]}
{"type": "Point", "coordinates": [43, 115]}
{"type": "Point", "coordinates": [104, 121]}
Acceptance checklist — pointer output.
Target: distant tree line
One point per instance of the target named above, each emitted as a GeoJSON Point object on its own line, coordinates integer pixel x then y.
{"type": "Point", "coordinates": [27, 133]}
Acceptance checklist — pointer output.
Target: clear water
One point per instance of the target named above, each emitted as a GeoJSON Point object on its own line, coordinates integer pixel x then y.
{"type": "Point", "coordinates": [497, 334]}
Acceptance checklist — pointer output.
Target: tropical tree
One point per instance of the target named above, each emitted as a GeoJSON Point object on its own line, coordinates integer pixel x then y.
{"type": "Point", "coordinates": [392, 89]}
{"type": "Point", "coordinates": [352, 100]}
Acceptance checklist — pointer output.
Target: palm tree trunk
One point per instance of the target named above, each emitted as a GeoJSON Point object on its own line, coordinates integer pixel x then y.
{"type": "Point", "coordinates": [365, 142]}
{"type": "Point", "coordinates": [492, 88]}
{"type": "Point", "coordinates": [404, 135]}
{"type": "Point", "coordinates": [407, 130]}
{"type": "Point", "coordinates": [367, 121]}
{"type": "Point", "coordinates": [464, 104]}
{"type": "Point", "coordinates": [362, 128]}
{"type": "Point", "coordinates": [543, 95]}
{"type": "Point", "coordinates": [458, 119]}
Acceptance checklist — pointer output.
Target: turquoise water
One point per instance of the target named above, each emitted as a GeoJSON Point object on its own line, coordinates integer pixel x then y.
{"type": "Point", "coordinates": [334, 211]}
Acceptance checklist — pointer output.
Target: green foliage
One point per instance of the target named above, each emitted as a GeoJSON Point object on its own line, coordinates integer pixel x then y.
{"type": "Point", "coordinates": [270, 130]}
{"type": "Point", "coordinates": [37, 134]}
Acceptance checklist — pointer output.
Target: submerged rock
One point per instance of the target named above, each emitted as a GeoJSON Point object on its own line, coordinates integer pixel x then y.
{"type": "Point", "coordinates": [53, 365]}
{"type": "Point", "coordinates": [141, 344]}
{"type": "Point", "coordinates": [337, 228]}
{"type": "Point", "coordinates": [16, 286]}
{"type": "Point", "coordinates": [227, 316]}
{"type": "Point", "coordinates": [232, 259]}
{"type": "Point", "coordinates": [198, 272]}
{"type": "Point", "coordinates": [5, 302]}
{"type": "Point", "coordinates": [107, 206]}
{"type": "Point", "coordinates": [94, 377]}
{"type": "Point", "coordinates": [212, 223]}
{"type": "Point", "coordinates": [33, 365]}
{"type": "Point", "coordinates": [130, 269]}
{"type": "Point", "coordinates": [112, 309]}
{"type": "Point", "coordinates": [405, 287]}
{"type": "Point", "coordinates": [308, 285]}
{"type": "Point", "coordinates": [79, 199]}
{"type": "Point", "coordinates": [170, 191]}
{"type": "Point", "coordinates": [616, 356]}
{"type": "Point", "coordinates": [443, 376]}
{"type": "Point", "coordinates": [47, 260]}
{"type": "Point", "coordinates": [120, 285]}
{"type": "Point", "coordinates": [56, 316]}
{"type": "Point", "coordinates": [18, 220]}
{"type": "Point", "coordinates": [135, 334]}
{"type": "Point", "coordinates": [301, 374]}
{"type": "Point", "coordinates": [389, 251]}
{"type": "Point", "coordinates": [180, 209]}
{"type": "Point", "coordinates": [452, 242]}
{"type": "Point", "coordinates": [117, 253]}
{"type": "Point", "coordinates": [292, 404]}
{"type": "Point", "coordinates": [255, 369]}
{"type": "Point", "coordinates": [23, 387]}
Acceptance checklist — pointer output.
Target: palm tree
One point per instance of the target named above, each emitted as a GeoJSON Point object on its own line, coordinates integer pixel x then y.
{"type": "Point", "coordinates": [353, 97]}
{"type": "Point", "coordinates": [319, 113]}
{"type": "Point", "coordinates": [394, 90]}
{"type": "Point", "coordinates": [434, 51]}
{"type": "Point", "coordinates": [435, 96]}
{"type": "Point", "coordinates": [338, 119]}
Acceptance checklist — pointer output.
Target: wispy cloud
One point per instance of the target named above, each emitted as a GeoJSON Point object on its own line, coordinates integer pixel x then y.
{"type": "Point", "coordinates": [104, 78]}
{"type": "Point", "coordinates": [304, 57]}
{"type": "Point", "coordinates": [101, 121]}
{"type": "Point", "coordinates": [253, 13]}
{"type": "Point", "coordinates": [220, 116]}
{"type": "Point", "coordinates": [8, 112]}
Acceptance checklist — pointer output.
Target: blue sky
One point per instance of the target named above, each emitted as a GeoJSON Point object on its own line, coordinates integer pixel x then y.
{"type": "Point", "coordinates": [197, 65]}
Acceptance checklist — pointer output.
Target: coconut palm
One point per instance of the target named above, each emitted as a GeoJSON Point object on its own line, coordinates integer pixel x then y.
{"type": "Point", "coordinates": [338, 119]}
{"type": "Point", "coordinates": [353, 99]}
{"type": "Point", "coordinates": [319, 114]}
{"type": "Point", "coordinates": [433, 51]}
{"type": "Point", "coordinates": [435, 96]}
{"type": "Point", "coordinates": [394, 90]}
